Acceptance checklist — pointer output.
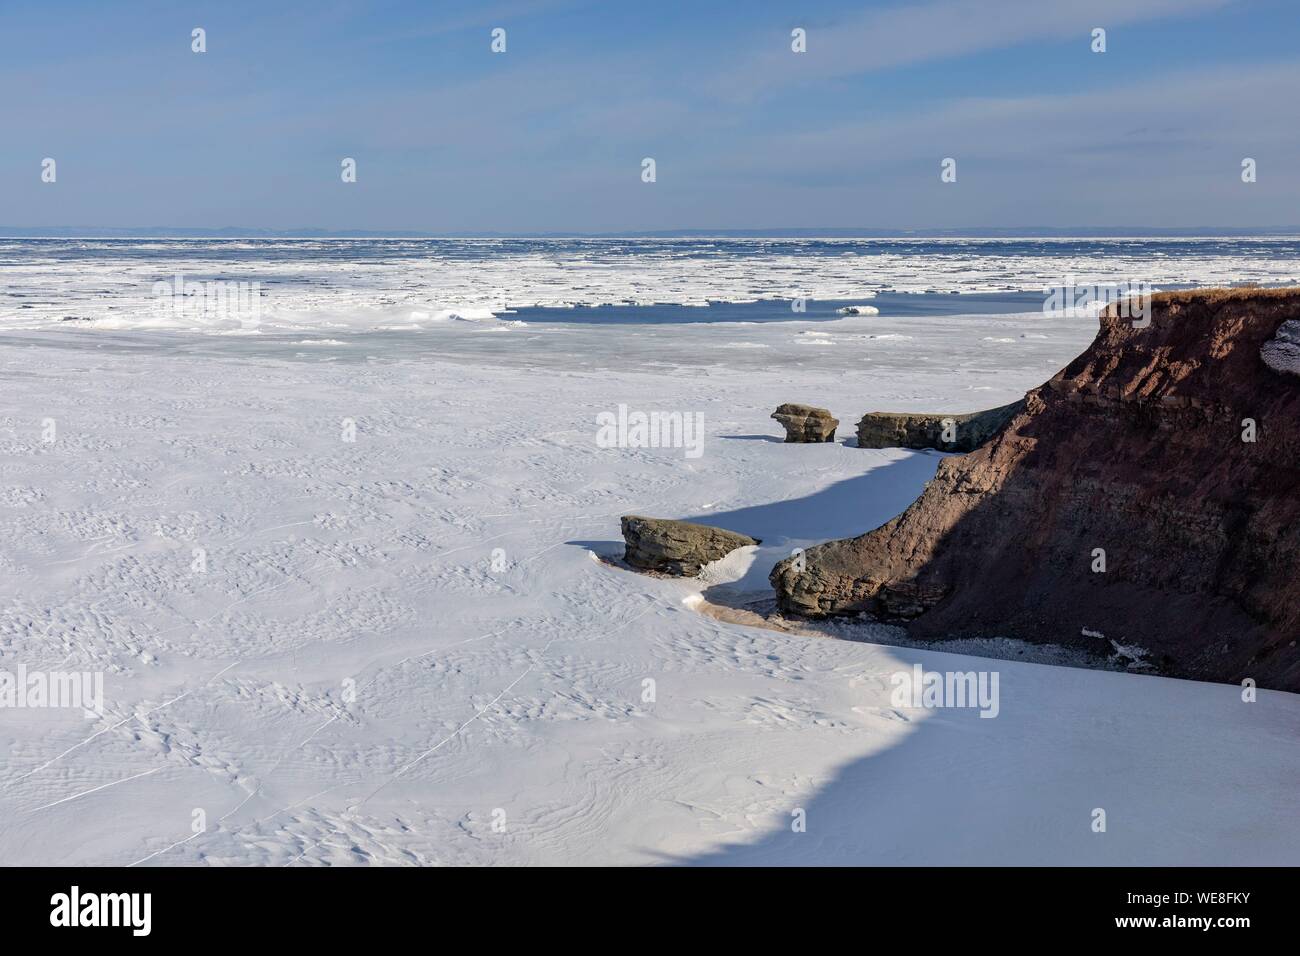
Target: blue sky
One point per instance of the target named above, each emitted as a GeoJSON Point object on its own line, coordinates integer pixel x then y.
{"type": "Point", "coordinates": [549, 136]}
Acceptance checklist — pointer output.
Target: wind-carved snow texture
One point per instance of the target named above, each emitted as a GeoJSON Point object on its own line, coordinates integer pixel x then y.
{"type": "Point", "coordinates": [400, 649]}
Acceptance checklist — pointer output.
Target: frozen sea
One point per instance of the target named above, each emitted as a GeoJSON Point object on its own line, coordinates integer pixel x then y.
{"type": "Point", "coordinates": [342, 561]}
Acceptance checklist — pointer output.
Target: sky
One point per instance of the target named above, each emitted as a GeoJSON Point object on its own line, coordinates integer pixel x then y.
{"type": "Point", "coordinates": [450, 137]}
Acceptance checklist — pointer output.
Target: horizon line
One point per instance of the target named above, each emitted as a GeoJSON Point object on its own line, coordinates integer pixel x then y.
{"type": "Point", "coordinates": [236, 233]}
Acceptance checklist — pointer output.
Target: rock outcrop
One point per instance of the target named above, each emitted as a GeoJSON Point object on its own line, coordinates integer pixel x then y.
{"type": "Point", "coordinates": [676, 547]}
{"type": "Point", "coordinates": [1145, 500]}
{"type": "Point", "coordinates": [806, 423]}
{"type": "Point", "coordinates": [1282, 352]}
{"type": "Point", "coordinates": [957, 433]}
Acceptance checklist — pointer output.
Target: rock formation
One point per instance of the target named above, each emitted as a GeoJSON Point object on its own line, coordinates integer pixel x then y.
{"type": "Point", "coordinates": [945, 432]}
{"type": "Point", "coordinates": [676, 547]}
{"type": "Point", "coordinates": [806, 423]}
{"type": "Point", "coordinates": [1282, 352]}
{"type": "Point", "coordinates": [1145, 500]}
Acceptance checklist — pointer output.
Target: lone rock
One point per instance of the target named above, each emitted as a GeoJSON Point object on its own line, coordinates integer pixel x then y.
{"type": "Point", "coordinates": [678, 548]}
{"type": "Point", "coordinates": [806, 423]}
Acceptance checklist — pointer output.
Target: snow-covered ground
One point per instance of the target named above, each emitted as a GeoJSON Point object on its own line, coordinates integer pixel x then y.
{"type": "Point", "coordinates": [346, 594]}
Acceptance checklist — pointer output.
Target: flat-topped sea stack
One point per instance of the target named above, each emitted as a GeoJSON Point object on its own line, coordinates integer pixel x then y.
{"type": "Point", "coordinates": [806, 423]}
{"type": "Point", "coordinates": [1145, 501]}
{"type": "Point", "coordinates": [957, 433]}
{"type": "Point", "coordinates": [677, 548]}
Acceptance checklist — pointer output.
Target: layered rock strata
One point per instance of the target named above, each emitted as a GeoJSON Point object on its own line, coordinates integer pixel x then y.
{"type": "Point", "coordinates": [958, 433]}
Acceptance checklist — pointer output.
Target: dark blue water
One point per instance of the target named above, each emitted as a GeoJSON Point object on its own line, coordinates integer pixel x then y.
{"type": "Point", "coordinates": [780, 310]}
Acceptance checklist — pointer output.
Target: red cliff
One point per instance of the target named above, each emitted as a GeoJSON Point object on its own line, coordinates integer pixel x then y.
{"type": "Point", "coordinates": [1169, 455]}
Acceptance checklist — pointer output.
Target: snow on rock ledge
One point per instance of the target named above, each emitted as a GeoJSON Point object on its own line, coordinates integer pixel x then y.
{"type": "Point", "coordinates": [1282, 352]}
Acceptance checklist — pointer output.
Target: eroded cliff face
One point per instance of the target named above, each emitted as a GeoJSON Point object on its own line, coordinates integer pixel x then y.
{"type": "Point", "coordinates": [1170, 452]}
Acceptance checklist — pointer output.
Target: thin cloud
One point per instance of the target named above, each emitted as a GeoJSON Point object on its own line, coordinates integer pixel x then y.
{"type": "Point", "coordinates": [896, 36]}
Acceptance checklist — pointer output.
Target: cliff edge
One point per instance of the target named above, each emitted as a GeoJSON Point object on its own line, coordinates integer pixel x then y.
{"type": "Point", "coordinates": [1145, 500]}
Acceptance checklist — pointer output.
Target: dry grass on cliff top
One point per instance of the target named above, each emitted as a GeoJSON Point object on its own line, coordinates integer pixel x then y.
{"type": "Point", "coordinates": [1224, 293]}
{"type": "Point", "coordinates": [1216, 295]}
